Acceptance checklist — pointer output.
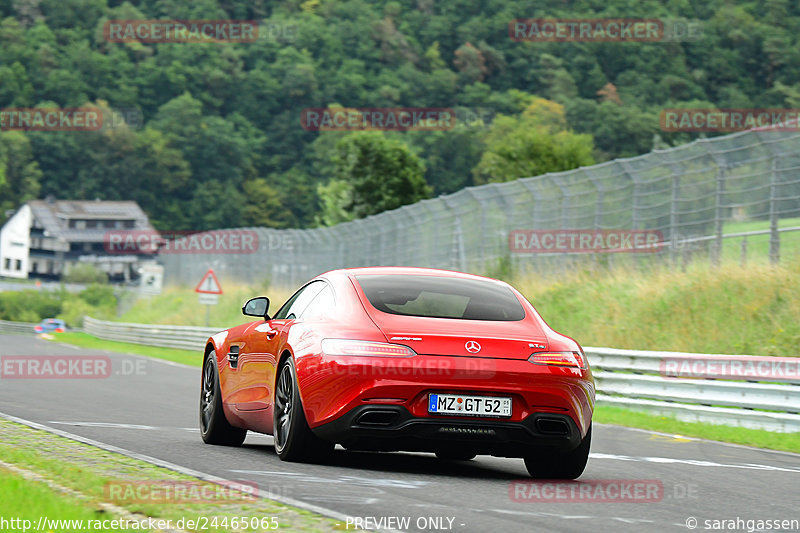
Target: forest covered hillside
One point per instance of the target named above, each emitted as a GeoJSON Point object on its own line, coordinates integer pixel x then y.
{"type": "Point", "coordinates": [214, 135]}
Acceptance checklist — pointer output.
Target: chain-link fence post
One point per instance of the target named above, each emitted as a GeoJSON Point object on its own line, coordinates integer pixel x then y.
{"type": "Point", "coordinates": [774, 234]}
{"type": "Point", "coordinates": [719, 197]}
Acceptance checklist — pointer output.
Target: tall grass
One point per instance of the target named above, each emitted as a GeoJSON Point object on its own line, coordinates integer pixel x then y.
{"type": "Point", "coordinates": [179, 306]}
{"type": "Point", "coordinates": [734, 310]}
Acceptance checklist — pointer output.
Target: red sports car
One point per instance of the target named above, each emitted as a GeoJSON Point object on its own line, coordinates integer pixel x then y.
{"type": "Point", "coordinates": [402, 359]}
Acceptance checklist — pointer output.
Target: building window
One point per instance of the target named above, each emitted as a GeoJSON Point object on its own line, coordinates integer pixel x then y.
{"type": "Point", "coordinates": [130, 224]}
{"type": "Point", "coordinates": [80, 224]}
{"type": "Point", "coordinates": [91, 223]}
{"type": "Point", "coordinates": [19, 265]}
{"type": "Point", "coordinates": [7, 263]}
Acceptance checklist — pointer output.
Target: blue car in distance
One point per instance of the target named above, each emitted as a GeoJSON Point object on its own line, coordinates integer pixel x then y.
{"type": "Point", "coordinates": [51, 325]}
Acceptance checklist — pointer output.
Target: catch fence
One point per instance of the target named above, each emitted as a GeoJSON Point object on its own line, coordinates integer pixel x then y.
{"type": "Point", "coordinates": [695, 197]}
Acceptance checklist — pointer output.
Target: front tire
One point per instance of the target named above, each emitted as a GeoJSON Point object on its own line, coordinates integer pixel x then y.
{"type": "Point", "coordinates": [214, 427]}
{"type": "Point", "coordinates": [294, 440]}
{"type": "Point", "coordinates": [564, 465]}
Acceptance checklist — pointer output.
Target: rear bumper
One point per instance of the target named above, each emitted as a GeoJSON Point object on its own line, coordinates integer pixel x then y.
{"type": "Point", "coordinates": [337, 390]}
{"type": "Point", "coordinates": [394, 428]}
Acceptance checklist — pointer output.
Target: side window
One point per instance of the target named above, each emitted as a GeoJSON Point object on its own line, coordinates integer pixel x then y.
{"type": "Point", "coordinates": [297, 303]}
{"type": "Point", "coordinates": [322, 305]}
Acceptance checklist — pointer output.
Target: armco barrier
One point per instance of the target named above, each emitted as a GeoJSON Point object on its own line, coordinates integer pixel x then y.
{"type": "Point", "coordinates": [625, 378]}
{"type": "Point", "coordinates": [183, 337]}
{"type": "Point", "coordinates": [16, 328]}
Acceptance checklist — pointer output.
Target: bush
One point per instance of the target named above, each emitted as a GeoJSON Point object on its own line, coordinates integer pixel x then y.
{"type": "Point", "coordinates": [84, 273]}
{"type": "Point", "coordinates": [99, 295]}
{"type": "Point", "coordinates": [74, 310]}
{"type": "Point", "coordinates": [30, 306]}
{"type": "Point", "coordinates": [33, 306]}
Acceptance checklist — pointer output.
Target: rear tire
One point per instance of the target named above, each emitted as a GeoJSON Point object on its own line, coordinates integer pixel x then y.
{"type": "Point", "coordinates": [564, 465]}
{"type": "Point", "coordinates": [294, 440]}
{"type": "Point", "coordinates": [214, 427]}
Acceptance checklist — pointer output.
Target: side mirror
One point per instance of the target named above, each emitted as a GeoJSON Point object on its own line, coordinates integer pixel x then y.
{"type": "Point", "coordinates": [257, 307]}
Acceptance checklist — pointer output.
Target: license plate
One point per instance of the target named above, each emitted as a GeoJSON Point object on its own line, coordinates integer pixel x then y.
{"type": "Point", "coordinates": [458, 404]}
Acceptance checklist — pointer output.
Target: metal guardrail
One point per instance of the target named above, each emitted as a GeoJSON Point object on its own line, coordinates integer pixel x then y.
{"type": "Point", "coordinates": [636, 379]}
{"type": "Point", "coordinates": [16, 328]}
{"type": "Point", "coordinates": [631, 379]}
{"type": "Point", "coordinates": [182, 337]}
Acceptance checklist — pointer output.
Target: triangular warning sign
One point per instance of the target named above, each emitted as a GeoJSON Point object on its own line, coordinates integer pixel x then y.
{"type": "Point", "coordinates": [209, 284]}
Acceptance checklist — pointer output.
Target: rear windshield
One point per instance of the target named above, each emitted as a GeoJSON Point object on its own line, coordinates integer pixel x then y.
{"type": "Point", "coordinates": [441, 297]}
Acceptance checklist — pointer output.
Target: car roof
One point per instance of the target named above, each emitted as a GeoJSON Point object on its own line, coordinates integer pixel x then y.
{"type": "Point", "coordinates": [415, 271]}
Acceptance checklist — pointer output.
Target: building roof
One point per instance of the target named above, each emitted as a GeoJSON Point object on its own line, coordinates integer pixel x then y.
{"type": "Point", "coordinates": [54, 217]}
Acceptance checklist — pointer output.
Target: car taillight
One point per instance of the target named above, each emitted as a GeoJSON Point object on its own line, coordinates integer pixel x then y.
{"type": "Point", "coordinates": [366, 348]}
{"type": "Point", "coordinates": [573, 359]}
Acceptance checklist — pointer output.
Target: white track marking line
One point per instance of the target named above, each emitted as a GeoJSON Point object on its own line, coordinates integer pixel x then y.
{"type": "Point", "coordinates": [573, 517]}
{"type": "Point", "coordinates": [69, 345]}
{"type": "Point", "coordinates": [109, 425]}
{"type": "Point", "coordinates": [691, 462]}
{"type": "Point", "coordinates": [698, 439]}
{"type": "Point", "coordinates": [355, 480]}
{"type": "Point", "coordinates": [114, 425]}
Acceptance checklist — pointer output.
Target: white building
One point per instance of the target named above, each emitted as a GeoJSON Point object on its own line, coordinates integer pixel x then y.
{"type": "Point", "coordinates": [44, 238]}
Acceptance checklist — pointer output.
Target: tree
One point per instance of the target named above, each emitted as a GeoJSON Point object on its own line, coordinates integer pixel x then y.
{"type": "Point", "coordinates": [372, 174]}
{"type": "Point", "coordinates": [470, 62]}
{"type": "Point", "coordinates": [262, 206]}
{"type": "Point", "coordinates": [532, 144]}
{"type": "Point", "coordinates": [19, 172]}
{"type": "Point", "coordinates": [334, 198]}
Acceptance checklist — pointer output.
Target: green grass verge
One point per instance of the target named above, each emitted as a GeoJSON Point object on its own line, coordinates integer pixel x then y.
{"type": "Point", "coordinates": [27, 500]}
{"type": "Point", "coordinates": [758, 245]}
{"type": "Point", "coordinates": [88, 470]}
{"type": "Point", "coordinates": [789, 442]}
{"type": "Point", "coordinates": [84, 340]}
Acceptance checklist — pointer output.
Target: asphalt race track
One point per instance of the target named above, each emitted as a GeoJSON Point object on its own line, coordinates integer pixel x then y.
{"type": "Point", "coordinates": [150, 407]}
